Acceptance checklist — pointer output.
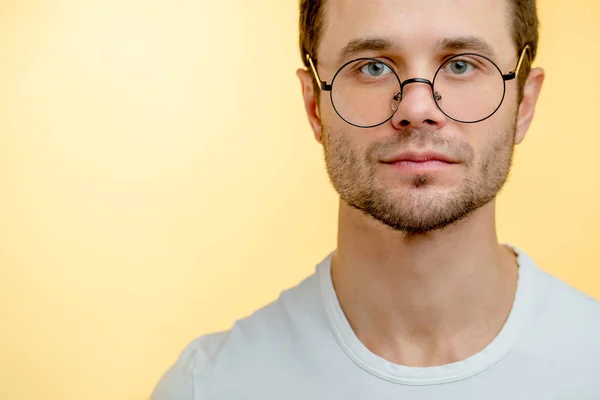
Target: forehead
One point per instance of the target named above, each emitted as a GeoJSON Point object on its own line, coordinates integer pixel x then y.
{"type": "Point", "coordinates": [416, 26]}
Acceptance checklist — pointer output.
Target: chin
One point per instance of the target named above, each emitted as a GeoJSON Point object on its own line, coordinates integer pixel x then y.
{"type": "Point", "coordinates": [420, 189]}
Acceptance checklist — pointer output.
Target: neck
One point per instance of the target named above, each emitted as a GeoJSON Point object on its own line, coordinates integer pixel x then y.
{"type": "Point", "coordinates": [423, 300]}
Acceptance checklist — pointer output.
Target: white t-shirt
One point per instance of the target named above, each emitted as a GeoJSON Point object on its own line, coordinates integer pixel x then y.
{"type": "Point", "coordinates": [301, 347]}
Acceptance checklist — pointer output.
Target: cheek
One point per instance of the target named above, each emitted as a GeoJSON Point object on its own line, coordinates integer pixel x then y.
{"type": "Point", "coordinates": [328, 114]}
{"type": "Point", "coordinates": [494, 149]}
{"type": "Point", "coordinates": [345, 150]}
{"type": "Point", "coordinates": [509, 109]}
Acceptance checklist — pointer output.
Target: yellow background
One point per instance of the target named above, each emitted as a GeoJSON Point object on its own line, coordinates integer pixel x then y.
{"type": "Point", "coordinates": [158, 180]}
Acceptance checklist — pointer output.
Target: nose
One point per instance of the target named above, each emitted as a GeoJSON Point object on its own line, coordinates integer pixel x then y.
{"type": "Point", "coordinates": [415, 106]}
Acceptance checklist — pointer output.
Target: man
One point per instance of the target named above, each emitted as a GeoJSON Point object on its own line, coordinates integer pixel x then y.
{"type": "Point", "coordinates": [418, 106]}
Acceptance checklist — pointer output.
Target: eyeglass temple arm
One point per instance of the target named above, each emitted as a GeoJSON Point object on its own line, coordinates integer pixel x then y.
{"type": "Point", "coordinates": [324, 85]}
{"type": "Point", "coordinates": [513, 74]}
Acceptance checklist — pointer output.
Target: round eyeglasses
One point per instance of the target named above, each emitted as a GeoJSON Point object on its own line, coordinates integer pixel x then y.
{"type": "Point", "coordinates": [467, 88]}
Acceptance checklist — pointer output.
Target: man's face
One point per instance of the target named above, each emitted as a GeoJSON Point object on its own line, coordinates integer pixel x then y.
{"type": "Point", "coordinates": [411, 196]}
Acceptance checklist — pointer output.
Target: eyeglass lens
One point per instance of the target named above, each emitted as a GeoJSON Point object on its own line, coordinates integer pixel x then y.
{"type": "Point", "coordinates": [367, 92]}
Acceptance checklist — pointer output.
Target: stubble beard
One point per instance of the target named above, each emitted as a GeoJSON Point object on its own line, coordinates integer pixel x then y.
{"type": "Point", "coordinates": [420, 207]}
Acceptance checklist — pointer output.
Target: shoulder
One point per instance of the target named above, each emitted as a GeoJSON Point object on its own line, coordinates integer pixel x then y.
{"type": "Point", "coordinates": [179, 381]}
{"type": "Point", "coordinates": [242, 347]}
{"type": "Point", "coordinates": [555, 301]}
{"type": "Point", "coordinates": [573, 305]}
{"type": "Point", "coordinates": [571, 316]}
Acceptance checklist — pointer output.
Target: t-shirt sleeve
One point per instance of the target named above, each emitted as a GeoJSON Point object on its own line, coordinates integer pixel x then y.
{"type": "Point", "coordinates": [178, 382]}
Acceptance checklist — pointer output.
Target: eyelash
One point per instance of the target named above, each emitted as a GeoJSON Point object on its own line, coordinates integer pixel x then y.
{"type": "Point", "coordinates": [444, 60]}
{"type": "Point", "coordinates": [469, 61]}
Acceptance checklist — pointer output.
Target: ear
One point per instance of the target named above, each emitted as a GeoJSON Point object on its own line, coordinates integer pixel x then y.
{"type": "Point", "coordinates": [531, 93]}
{"type": "Point", "coordinates": [310, 103]}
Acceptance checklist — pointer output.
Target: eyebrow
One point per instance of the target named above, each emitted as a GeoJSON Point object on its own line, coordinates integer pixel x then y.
{"type": "Point", "coordinates": [461, 43]}
{"type": "Point", "coordinates": [362, 45]}
{"type": "Point", "coordinates": [467, 43]}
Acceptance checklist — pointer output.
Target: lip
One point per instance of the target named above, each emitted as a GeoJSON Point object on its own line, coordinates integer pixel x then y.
{"type": "Point", "coordinates": [425, 162]}
{"type": "Point", "coordinates": [415, 157]}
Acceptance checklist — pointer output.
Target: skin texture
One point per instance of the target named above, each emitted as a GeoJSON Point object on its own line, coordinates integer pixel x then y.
{"type": "Point", "coordinates": [418, 269]}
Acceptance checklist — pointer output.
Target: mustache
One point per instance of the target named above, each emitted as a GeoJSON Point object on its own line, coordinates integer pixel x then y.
{"type": "Point", "coordinates": [416, 139]}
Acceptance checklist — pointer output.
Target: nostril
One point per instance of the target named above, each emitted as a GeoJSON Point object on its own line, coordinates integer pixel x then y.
{"type": "Point", "coordinates": [404, 123]}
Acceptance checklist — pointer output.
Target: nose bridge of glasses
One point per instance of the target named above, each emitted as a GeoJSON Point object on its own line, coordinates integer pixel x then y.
{"type": "Point", "coordinates": [416, 80]}
{"type": "Point", "coordinates": [403, 84]}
